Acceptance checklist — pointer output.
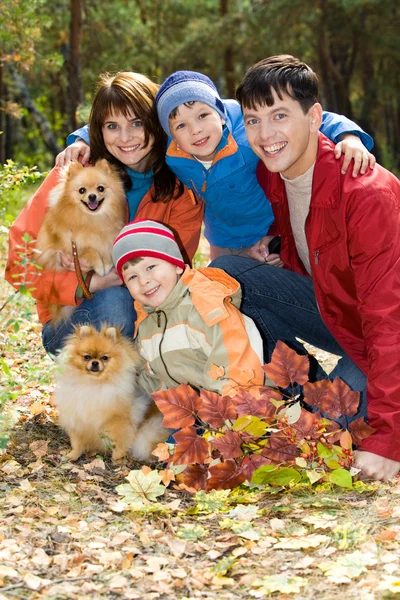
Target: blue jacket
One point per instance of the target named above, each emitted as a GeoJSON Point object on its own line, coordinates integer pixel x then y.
{"type": "Point", "coordinates": [237, 213]}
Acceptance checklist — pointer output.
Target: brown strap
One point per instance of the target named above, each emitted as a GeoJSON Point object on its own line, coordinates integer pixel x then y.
{"type": "Point", "coordinates": [88, 295]}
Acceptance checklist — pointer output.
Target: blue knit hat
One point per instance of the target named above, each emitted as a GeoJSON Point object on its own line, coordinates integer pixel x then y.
{"type": "Point", "coordinates": [186, 86]}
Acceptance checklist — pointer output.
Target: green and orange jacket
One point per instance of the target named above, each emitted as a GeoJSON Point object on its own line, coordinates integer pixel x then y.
{"type": "Point", "coordinates": [183, 215]}
{"type": "Point", "coordinates": [198, 336]}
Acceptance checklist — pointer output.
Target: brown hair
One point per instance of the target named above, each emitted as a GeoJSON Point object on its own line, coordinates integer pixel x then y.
{"type": "Point", "coordinates": [133, 93]}
{"type": "Point", "coordinates": [175, 112]}
{"type": "Point", "coordinates": [131, 262]}
{"type": "Point", "coordinates": [286, 75]}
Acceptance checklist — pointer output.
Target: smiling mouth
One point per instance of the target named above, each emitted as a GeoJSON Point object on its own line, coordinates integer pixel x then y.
{"type": "Point", "coordinates": [201, 142]}
{"type": "Point", "coordinates": [129, 148]}
{"type": "Point", "coordinates": [93, 205]}
{"type": "Point", "coordinates": [152, 292]}
{"type": "Point", "coordinates": [274, 148]}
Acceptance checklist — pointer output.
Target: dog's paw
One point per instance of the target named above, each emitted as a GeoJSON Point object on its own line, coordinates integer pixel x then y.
{"type": "Point", "coordinates": [73, 455]}
{"type": "Point", "coordinates": [118, 454]}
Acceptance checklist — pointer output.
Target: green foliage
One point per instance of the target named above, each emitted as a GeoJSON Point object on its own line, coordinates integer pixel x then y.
{"type": "Point", "coordinates": [15, 187]}
{"type": "Point", "coordinates": [156, 38]}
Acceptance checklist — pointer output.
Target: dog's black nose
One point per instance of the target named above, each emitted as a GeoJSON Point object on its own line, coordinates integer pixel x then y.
{"type": "Point", "coordinates": [92, 197]}
{"type": "Point", "coordinates": [95, 365]}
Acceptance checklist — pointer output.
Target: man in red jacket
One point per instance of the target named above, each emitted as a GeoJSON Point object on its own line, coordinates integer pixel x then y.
{"type": "Point", "coordinates": [340, 288]}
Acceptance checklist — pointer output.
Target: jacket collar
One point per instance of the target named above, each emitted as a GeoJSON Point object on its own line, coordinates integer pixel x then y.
{"type": "Point", "coordinates": [208, 287]}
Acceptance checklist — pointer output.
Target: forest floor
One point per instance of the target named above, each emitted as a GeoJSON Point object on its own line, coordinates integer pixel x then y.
{"type": "Point", "coordinates": [65, 535]}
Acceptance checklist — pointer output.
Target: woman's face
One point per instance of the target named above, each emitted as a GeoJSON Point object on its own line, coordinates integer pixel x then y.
{"type": "Point", "coordinates": [124, 138]}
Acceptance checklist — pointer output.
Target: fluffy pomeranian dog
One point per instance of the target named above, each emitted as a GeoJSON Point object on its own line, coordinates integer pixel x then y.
{"type": "Point", "coordinates": [97, 398]}
{"type": "Point", "coordinates": [88, 207]}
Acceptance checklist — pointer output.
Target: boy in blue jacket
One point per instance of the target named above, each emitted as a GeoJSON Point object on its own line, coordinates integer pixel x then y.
{"type": "Point", "coordinates": [209, 152]}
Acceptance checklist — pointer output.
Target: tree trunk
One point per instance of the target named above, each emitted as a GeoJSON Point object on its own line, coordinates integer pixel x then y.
{"type": "Point", "coordinates": [228, 57]}
{"type": "Point", "coordinates": [74, 88]}
{"type": "Point", "coordinates": [26, 100]}
{"type": "Point", "coordinates": [335, 73]}
{"type": "Point", "coordinates": [2, 116]}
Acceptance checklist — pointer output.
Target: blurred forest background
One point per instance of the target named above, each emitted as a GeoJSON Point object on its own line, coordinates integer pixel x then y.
{"type": "Point", "coordinates": [51, 53]}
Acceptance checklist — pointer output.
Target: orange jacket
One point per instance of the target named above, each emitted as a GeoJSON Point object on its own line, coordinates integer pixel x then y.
{"type": "Point", "coordinates": [183, 215]}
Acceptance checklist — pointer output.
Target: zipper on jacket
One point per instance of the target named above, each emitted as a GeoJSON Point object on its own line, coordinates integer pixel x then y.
{"type": "Point", "coordinates": [316, 252]}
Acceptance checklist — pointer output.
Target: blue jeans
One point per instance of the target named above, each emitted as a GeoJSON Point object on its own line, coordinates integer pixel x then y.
{"type": "Point", "coordinates": [113, 306]}
{"type": "Point", "coordinates": [283, 306]}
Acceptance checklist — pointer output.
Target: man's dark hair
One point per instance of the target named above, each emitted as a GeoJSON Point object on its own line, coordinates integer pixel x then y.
{"type": "Point", "coordinates": [284, 74]}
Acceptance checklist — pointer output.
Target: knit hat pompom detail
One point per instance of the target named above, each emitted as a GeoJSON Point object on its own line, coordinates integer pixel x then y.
{"type": "Point", "coordinates": [186, 86]}
{"type": "Point", "coordinates": [145, 238]}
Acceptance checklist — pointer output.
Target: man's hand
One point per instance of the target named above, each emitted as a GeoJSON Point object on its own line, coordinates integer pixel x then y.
{"type": "Point", "coordinates": [353, 148]}
{"type": "Point", "coordinates": [374, 466]}
{"type": "Point", "coordinates": [100, 283]}
{"type": "Point", "coordinates": [67, 263]}
{"type": "Point", "coordinates": [259, 251]}
{"type": "Point", "coordinates": [79, 150]}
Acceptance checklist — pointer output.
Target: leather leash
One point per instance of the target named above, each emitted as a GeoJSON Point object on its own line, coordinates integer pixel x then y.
{"type": "Point", "coordinates": [87, 294]}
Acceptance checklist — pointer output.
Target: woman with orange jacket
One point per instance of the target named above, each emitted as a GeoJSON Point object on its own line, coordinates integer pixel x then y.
{"type": "Point", "coordinates": [124, 129]}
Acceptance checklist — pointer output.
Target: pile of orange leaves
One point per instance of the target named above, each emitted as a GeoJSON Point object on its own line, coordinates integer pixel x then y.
{"type": "Point", "coordinates": [264, 435]}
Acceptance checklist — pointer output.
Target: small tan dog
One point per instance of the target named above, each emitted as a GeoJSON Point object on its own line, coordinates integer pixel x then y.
{"type": "Point", "coordinates": [97, 399]}
{"type": "Point", "coordinates": [88, 207]}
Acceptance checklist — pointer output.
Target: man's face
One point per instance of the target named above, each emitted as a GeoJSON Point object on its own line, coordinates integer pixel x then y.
{"type": "Point", "coordinates": [283, 136]}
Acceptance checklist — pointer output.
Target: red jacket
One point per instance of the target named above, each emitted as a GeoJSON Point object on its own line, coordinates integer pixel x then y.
{"type": "Point", "coordinates": [353, 236]}
{"type": "Point", "coordinates": [183, 215]}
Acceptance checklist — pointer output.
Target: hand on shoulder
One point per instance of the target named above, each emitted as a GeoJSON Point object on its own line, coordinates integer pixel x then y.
{"type": "Point", "coordinates": [353, 148]}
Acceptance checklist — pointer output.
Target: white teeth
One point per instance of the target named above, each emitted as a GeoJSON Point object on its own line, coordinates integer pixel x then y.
{"type": "Point", "coordinates": [130, 148]}
{"type": "Point", "coordinates": [274, 148]}
{"type": "Point", "coordinates": [151, 291]}
{"type": "Point", "coordinates": [200, 141]}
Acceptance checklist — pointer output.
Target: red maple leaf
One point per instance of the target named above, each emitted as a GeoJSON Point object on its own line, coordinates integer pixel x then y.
{"type": "Point", "coordinates": [342, 399]}
{"type": "Point", "coordinates": [229, 445]}
{"type": "Point", "coordinates": [225, 476]}
{"type": "Point", "coordinates": [216, 409]}
{"type": "Point", "coordinates": [315, 393]}
{"type": "Point", "coordinates": [334, 430]}
{"type": "Point", "coordinates": [190, 448]}
{"type": "Point", "coordinates": [280, 449]}
{"type": "Point", "coordinates": [287, 366]}
{"type": "Point", "coordinates": [360, 430]}
{"type": "Point", "coordinates": [253, 462]}
{"type": "Point", "coordinates": [246, 404]}
{"type": "Point", "coordinates": [305, 425]}
{"type": "Point", "coordinates": [194, 476]}
{"type": "Point", "coordinates": [178, 405]}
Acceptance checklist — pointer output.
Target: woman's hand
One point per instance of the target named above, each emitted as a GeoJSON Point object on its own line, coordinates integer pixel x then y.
{"type": "Point", "coordinates": [100, 283]}
{"type": "Point", "coordinates": [67, 263]}
{"type": "Point", "coordinates": [353, 148]}
{"type": "Point", "coordinates": [79, 150]}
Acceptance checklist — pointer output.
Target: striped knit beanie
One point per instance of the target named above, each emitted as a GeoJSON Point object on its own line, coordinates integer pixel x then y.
{"type": "Point", "coordinates": [186, 86]}
{"type": "Point", "coordinates": [144, 238]}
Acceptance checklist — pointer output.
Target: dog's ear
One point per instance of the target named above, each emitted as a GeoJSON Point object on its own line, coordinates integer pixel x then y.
{"type": "Point", "coordinates": [84, 330]}
{"type": "Point", "coordinates": [73, 169]}
{"type": "Point", "coordinates": [104, 165]}
{"type": "Point", "coordinates": [113, 333]}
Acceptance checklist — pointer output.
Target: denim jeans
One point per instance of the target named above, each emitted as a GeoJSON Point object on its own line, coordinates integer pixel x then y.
{"type": "Point", "coordinates": [283, 306]}
{"type": "Point", "coordinates": [113, 306]}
